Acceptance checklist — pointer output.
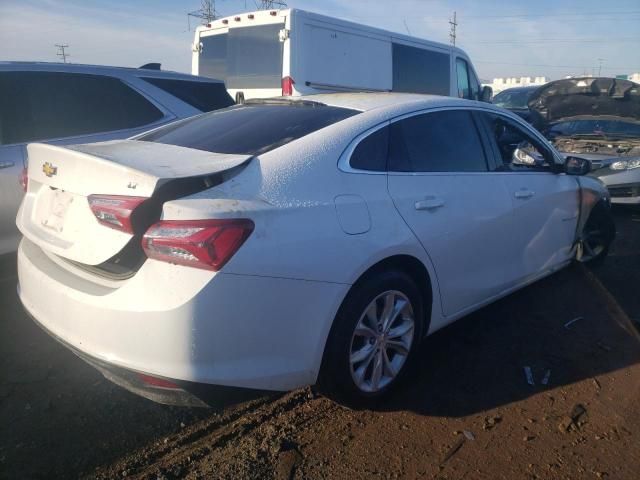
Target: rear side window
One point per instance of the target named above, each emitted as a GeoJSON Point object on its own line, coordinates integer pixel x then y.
{"type": "Point", "coordinates": [372, 152]}
{"type": "Point", "coordinates": [47, 105]}
{"type": "Point", "coordinates": [416, 70]}
{"type": "Point", "coordinates": [205, 96]}
{"type": "Point", "coordinates": [446, 141]}
{"type": "Point", "coordinates": [249, 129]}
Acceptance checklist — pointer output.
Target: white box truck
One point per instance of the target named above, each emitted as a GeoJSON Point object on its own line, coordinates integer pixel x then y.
{"type": "Point", "coordinates": [293, 52]}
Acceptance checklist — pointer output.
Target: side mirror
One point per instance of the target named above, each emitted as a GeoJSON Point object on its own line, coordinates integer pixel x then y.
{"type": "Point", "coordinates": [577, 166]}
{"type": "Point", "coordinates": [527, 159]}
{"type": "Point", "coordinates": [486, 94]}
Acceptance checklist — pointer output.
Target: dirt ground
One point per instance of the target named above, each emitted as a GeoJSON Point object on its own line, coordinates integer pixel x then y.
{"type": "Point", "coordinates": [468, 413]}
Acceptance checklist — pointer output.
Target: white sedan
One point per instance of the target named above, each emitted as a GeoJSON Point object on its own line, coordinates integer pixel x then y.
{"type": "Point", "coordinates": [289, 242]}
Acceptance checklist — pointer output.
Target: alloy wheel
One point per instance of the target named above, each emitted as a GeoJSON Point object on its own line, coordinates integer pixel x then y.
{"type": "Point", "coordinates": [381, 341]}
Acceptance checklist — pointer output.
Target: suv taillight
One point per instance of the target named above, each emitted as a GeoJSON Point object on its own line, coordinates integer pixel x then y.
{"type": "Point", "coordinates": [115, 211]}
{"type": "Point", "coordinates": [207, 244]}
{"type": "Point", "coordinates": [287, 86]}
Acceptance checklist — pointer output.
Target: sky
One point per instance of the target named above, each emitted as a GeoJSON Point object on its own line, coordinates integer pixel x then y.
{"type": "Point", "coordinates": [518, 38]}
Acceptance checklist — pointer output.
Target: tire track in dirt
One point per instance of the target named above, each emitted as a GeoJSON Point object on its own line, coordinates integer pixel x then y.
{"type": "Point", "coordinates": [247, 442]}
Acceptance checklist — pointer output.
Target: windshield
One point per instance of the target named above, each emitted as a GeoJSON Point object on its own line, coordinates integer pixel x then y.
{"type": "Point", "coordinates": [513, 98]}
{"type": "Point", "coordinates": [595, 127]}
{"type": "Point", "coordinates": [249, 129]}
{"type": "Point", "coordinates": [245, 57]}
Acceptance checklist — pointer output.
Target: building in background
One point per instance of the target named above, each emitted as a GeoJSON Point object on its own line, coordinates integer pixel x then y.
{"type": "Point", "coordinates": [499, 84]}
{"type": "Point", "coordinates": [634, 77]}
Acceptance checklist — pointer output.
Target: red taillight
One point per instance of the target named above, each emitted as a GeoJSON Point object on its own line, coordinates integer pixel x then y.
{"type": "Point", "coordinates": [115, 211]}
{"type": "Point", "coordinates": [207, 244]}
{"type": "Point", "coordinates": [24, 179]}
{"type": "Point", "coordinates": [157, 382]}
{"type": "Point", "coordinates": [287, 86]}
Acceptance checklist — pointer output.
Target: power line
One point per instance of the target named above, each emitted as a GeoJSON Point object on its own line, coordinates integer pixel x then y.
{"type": "Point", "coordinates": [573, 14]}
{"type": "Point", "coordinates": [207, 12]}
{"type": "Point", "coordinates": [61, 53]}
{"type": "Point", "coordinates": [551, 66]}
{"type": "Point", "coordinates": [545, 41]}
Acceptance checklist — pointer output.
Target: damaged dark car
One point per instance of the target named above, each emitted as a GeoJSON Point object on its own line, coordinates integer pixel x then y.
{"type": "Point", "coordinates": [597, 119]}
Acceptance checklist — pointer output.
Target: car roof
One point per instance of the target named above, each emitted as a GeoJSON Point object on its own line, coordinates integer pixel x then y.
{"type": "Point", "coordinates": [14, 66]}
{"type": "Point", "coordinates": [369, 101]}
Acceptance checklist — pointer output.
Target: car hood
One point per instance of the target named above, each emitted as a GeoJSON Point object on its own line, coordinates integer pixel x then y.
{"type": "Point", "coordinates": [587, 97]}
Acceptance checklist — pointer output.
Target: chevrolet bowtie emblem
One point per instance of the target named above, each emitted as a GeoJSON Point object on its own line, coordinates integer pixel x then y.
{"type": "Point", "coordinates": [49, 170]}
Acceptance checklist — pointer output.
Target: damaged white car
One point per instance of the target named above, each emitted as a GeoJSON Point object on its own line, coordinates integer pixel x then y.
{"type": "Point", "coordinates": [289, 242]}
{"type": "Point", "coordinates": [597, 119]}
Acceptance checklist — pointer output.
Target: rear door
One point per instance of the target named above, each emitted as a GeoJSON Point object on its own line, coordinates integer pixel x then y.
{"type": "Point", "coordinates": [545, 204]}
{"type": "Point", "coordinates": [440, 182]}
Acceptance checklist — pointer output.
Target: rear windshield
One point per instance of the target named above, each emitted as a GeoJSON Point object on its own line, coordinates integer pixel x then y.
{"type": "Point", "coordinates": [248, 129]}
{"type": "Point", "coordinates": [245, 57]}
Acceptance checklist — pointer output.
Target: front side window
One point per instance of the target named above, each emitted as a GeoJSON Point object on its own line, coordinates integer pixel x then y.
{"type": "Point", "coordinates": [462, 73]}
{"type": "Point", "coordinates": [249, 129]}
{"type": "Point", "coordinates": [48, 105]}
{"type": "Point", "coordinates": [417, 70]}
{"type": "Point", "coordinates": [445, 141]}
{"type": "Point", "coordinates": [474, 86]}
{"type": "Point", "coordinates": [518, 150]}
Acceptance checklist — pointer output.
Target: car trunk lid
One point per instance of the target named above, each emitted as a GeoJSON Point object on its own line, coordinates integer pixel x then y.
{"type": "Point", "coordinates": [56, 215]}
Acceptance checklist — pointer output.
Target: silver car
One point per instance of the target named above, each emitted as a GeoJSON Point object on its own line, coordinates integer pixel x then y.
{"type": "Point", "coordinates": [69, 104]}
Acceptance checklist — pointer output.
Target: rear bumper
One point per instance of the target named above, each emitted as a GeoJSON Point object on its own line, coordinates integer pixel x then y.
{"type": "Point", "coordinates": [182, 394]}
{"type": "Point", "coordinates": [185, 324]}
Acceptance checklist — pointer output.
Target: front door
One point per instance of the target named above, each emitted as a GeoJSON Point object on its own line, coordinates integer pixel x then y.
{"type": "Point", "coordinates": [460, 211]}
{"type": "Point", "coordinates": [545, 204]}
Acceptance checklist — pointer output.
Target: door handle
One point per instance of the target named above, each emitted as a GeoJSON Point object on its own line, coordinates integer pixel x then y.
{"type": "Point", "coordinates": [430, 203]}
{"type": "Point", "coordinates": [6, 164]}
{"type": "Point", "coordinates": [524, 193]}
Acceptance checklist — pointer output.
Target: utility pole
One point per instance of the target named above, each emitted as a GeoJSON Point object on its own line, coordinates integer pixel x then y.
{"type": "Point", "coordinates": [61, 53]}
{"type": "Point", "coordinates": [600, 60]}
{"type": "Point", "coordinates": [452, 32]}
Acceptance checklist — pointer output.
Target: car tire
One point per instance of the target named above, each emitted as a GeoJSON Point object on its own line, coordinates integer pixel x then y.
{"type": "Point", "coordinates": [596, 237]}
{"type": "Point", "coordinates": [362, 365]}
